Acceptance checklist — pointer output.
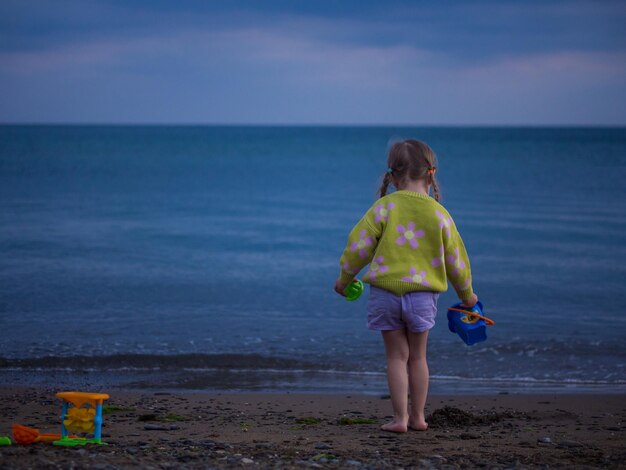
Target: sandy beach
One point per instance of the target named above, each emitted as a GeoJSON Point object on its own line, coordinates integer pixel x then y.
{"type": "Point", "coordinates": [221, 430]}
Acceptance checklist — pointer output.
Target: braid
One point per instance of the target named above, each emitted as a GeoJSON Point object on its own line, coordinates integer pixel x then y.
{"type": "Point", "coordinates": [435, 185]}
{"type": "Point", "coordinates": [431, 170]}
{"type": "Point", "coordinates": [383, 187]}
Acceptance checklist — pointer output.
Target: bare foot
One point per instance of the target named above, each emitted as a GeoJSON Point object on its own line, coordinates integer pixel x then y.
{"type": "Point", "coordinates": [418, 425]}
{"type": "Point", "coordinates": [394, 426]}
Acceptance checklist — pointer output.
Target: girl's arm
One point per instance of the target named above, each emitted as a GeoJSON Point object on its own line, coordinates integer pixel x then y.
{"type": "Point", "coordinates": [457, 263]}
{"type": "Point", "coordinates": [359, 251]}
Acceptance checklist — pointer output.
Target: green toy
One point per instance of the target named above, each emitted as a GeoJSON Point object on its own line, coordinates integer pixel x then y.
{"type": "Point", "coordinates": [354, 290]}
{"type": "Point", "coordinates": [5, 441]}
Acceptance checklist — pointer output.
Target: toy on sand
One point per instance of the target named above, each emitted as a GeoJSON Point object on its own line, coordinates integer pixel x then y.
{"type": "Point", "coordinates": [82, 414]}
{"type": "Point", "coordinates": [354, 290]}
{"type": "Point", "coordinates": [25, 435]}
{"type": "Point", "coordinates": [469, 323]}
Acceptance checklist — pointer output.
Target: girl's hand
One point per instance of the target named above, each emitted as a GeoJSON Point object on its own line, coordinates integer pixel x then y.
{"type": "Point", "coordinates": [340, 287]}
{"type": "Point", "coordinates": [470, 302]}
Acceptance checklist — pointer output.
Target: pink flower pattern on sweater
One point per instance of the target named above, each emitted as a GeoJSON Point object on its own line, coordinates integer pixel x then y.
{"type": "Point", "coordinates": [364, 242]}
{"type": "Point", "coordinates": [377, 266]}
{"type": "Point", "coordinates": [409, 235]}
{"type": "Point", "coordinates": [382, 212]}
{"type": "Point", "coordinates": [417, 278]}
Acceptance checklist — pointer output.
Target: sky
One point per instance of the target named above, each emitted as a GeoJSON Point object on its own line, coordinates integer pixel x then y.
{"type": "Point", "coordinates": [336, 62]}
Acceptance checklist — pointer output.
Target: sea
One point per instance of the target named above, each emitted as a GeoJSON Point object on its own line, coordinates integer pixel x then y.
{"type": "Point", "coordinates": [203, 258]}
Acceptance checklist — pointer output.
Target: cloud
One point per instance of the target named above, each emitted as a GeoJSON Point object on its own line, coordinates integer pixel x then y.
{"type": "Point", "coordinates": [232, 62]}
{"type": "Point", "coordinates": [458, 29]}
{"type": "Point", "coordinates": [549, 88]}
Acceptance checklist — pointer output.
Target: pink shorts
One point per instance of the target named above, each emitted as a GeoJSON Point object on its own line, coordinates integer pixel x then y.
{"type": "Point", "coordinates": [415, 311]}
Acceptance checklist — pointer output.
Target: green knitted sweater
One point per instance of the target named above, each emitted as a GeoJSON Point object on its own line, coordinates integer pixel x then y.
{"type": "Point", "coordinates": [411, 244]}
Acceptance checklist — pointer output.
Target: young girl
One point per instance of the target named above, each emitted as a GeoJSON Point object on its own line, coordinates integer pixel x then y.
{"type": "Point", "coordinates": [413, 249]}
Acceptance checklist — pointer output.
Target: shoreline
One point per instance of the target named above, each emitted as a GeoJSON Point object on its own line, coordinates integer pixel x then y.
{"type": "Point", "coordinates": [266, 381]}
{"type": "Point", "coordinates": [195, 429]}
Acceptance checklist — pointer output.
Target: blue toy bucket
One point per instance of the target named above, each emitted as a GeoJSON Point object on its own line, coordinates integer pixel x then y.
{"type": "Point", "coordinates": [470, 329]}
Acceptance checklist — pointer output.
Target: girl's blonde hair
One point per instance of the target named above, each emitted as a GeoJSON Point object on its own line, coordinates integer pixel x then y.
{"type": "Point", "coordinates": [411, 160]}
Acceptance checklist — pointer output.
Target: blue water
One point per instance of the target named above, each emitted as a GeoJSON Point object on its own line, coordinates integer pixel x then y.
{"type": "Point", "coordinates": [125, 240]}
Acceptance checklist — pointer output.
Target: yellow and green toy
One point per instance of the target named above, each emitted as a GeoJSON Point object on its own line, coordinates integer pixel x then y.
{"type": "Point", "coordinates": [82, 415]}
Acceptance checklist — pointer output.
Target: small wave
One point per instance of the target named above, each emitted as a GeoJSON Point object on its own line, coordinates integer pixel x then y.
{"type": "Point", "coordinates": [157, 362]}
{"type": "Point", "coordinates": [254, 366]}
{"type": "Point", "coordinates": [298, 371]}
{"type": "Point", "coordinates": [526, 380]}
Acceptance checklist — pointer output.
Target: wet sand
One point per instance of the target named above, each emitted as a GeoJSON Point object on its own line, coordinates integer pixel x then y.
{"type": "Point", "coordinates": [221, 430]}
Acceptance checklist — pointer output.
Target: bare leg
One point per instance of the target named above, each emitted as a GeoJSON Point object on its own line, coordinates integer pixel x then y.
{"type": "Point", "coordinates": [397, 350]}
{"type": "Point", "coordinates": [418, 379]}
